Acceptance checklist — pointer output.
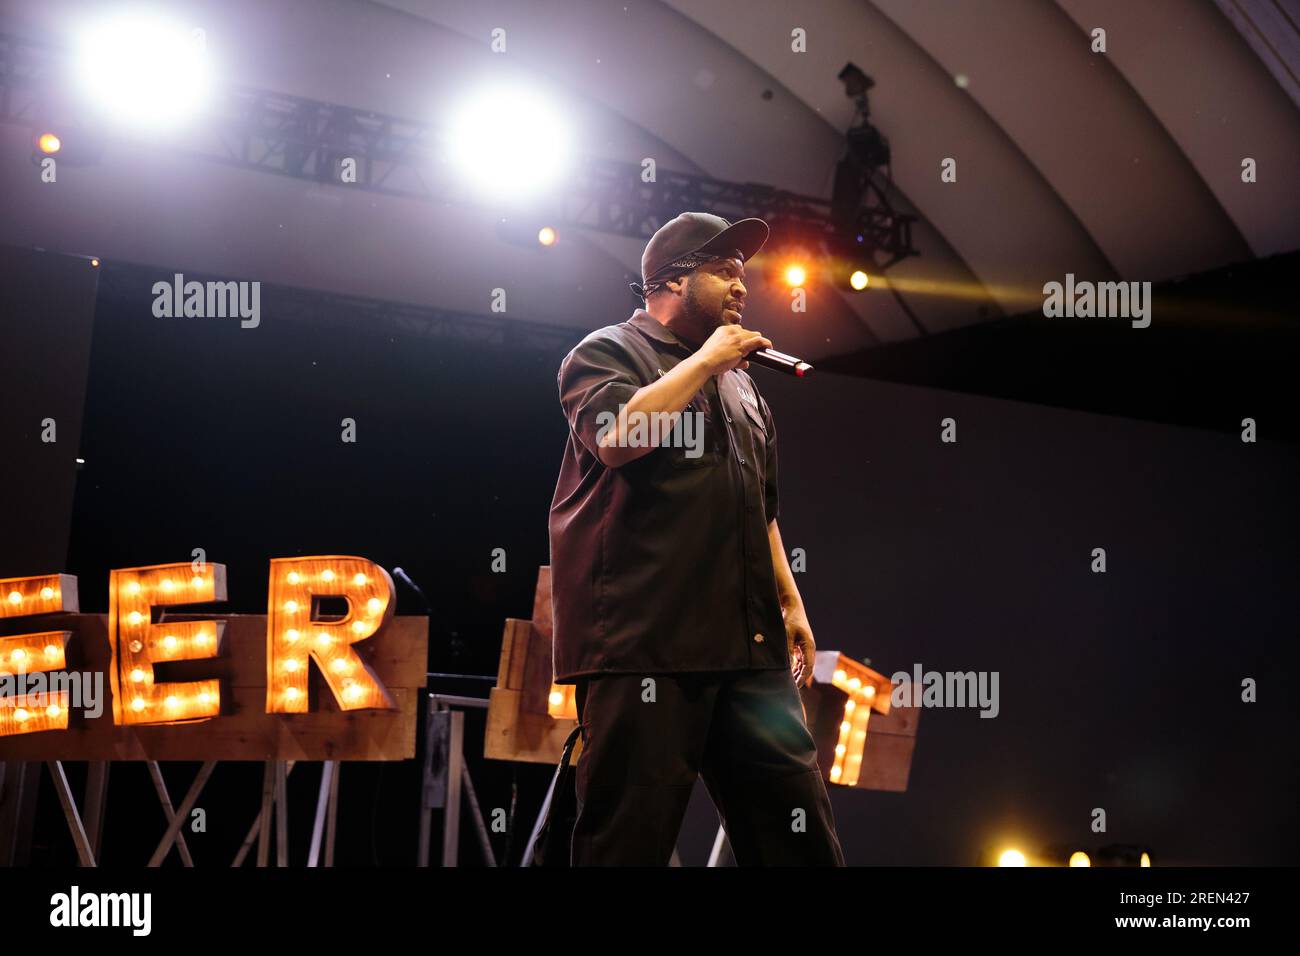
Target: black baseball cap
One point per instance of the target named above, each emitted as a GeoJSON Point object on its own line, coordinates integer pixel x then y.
{"type": "Point", "coordinates": [681, 244]}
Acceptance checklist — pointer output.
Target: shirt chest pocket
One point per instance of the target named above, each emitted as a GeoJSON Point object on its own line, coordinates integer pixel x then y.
{"type": "Point", "coordinates": [695, 442]}
{"type": "Point", "coordinates": [755, 417]}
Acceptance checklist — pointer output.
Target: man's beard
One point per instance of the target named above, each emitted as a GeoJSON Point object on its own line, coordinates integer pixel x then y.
{"type": "Point", "coordinates": [699, 317]}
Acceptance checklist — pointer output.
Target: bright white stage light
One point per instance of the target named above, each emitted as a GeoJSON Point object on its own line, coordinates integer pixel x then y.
{"type": "Point", "coordinates": [509, 142]}
{"type": "Point", "coordinates": [143, 70]}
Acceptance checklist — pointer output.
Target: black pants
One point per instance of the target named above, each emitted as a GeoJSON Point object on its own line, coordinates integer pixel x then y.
{"type": "Point", "coordinates": [644, 745]}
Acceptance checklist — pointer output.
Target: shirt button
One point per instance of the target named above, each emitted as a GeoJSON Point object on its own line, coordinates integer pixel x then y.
{"type": "Point", "coordinates": [742, 461]}
{"type": "Point", "coordinates": [728, 419]}
{"type": "Point", "coordinates": [758, 638]}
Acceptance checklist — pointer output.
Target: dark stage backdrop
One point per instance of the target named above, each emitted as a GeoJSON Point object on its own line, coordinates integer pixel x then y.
{"type": "Point", "coordinates": [47, 305]}
{"type": "Point", "coordinates": [1119, 690]}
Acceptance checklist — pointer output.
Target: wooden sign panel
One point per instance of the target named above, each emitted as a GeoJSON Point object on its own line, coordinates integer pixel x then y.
{"type": "Point", "coordinates": [396, 655]}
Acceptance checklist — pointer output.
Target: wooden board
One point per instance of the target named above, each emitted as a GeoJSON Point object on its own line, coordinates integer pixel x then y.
{"type": "Point", "coordinates": [244, 731]}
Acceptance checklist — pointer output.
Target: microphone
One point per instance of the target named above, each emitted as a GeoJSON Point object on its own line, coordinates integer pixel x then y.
{"type": "Point", "coordinates": [771, 358]}
{"type": "Point", "coordinates": [402, 576]}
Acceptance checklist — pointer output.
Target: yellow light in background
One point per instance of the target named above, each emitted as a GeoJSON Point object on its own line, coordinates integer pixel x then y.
{"type": "Point", "coordinates": [547, 236]}
{"type": "Point", "coordinates": [561, 702]}
{"type": "Point", "coordinates": [1011, 858]}
{"type": "Point", "coordinates": [294, 584]}
{"type": "Point", "coordinates": [795, 275]}
{"type": "Point", "coordinates": [49, 143]}
{"type": "Point", "coordinates": [1079, 858]}
{"type": "Point", "coordinates": [37, 594]}
{"type": "Point", "coordinates": [858, 681]}
{"type": "Point", "coordinates": [1145, 860]}
{"type": "Point", "coordinates": [137, 642]}
{"type": "Point", "coordinates": [859, 280]}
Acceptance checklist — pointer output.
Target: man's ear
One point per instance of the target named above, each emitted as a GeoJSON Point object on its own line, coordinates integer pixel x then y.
{"type": "Point", "coordinates": [676, 285]}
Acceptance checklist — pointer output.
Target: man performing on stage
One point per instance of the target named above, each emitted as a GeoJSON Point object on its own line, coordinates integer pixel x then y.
{"type": "Point", "coordinates": [675, 611]}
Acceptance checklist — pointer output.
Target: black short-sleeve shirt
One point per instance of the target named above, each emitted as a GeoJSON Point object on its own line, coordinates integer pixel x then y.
{"type": "Point", "coordinates": [663, 564]}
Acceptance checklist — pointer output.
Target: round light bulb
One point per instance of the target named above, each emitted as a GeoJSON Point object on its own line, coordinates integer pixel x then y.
{"type": "Point", "coordinates": [137, 704]}
{"type": "Point", "coordinates": [327, 575]}
{"type": "Point", "coordinates": [137, 675]}
{"type": "Point", "coordinates": [47, 593]}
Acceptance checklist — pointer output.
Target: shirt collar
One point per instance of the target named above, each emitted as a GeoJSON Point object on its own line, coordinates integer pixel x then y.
{"type": "Point", "coordinates": [651, 327]}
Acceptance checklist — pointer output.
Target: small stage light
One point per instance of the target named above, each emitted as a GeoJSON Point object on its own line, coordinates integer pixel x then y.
{"type": "Point", "coordinates": [547, 236]}
{"type": "Point", "coordinates": [1011, 858]}
{"type": "Point", "coordinates": [1079, 858]}
{"type": "Point", "coordinates": [795, 275]}
{"type": "Point", "coordinates": [859, 280]}
{"type": "Point", "coordinates": [48, 143]}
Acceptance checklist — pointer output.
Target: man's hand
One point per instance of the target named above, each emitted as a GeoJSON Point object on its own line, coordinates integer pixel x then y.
{"type": "Point", "coordinates": [799, 638]}
{"type": "Point", "coordinates": [727, 347]}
